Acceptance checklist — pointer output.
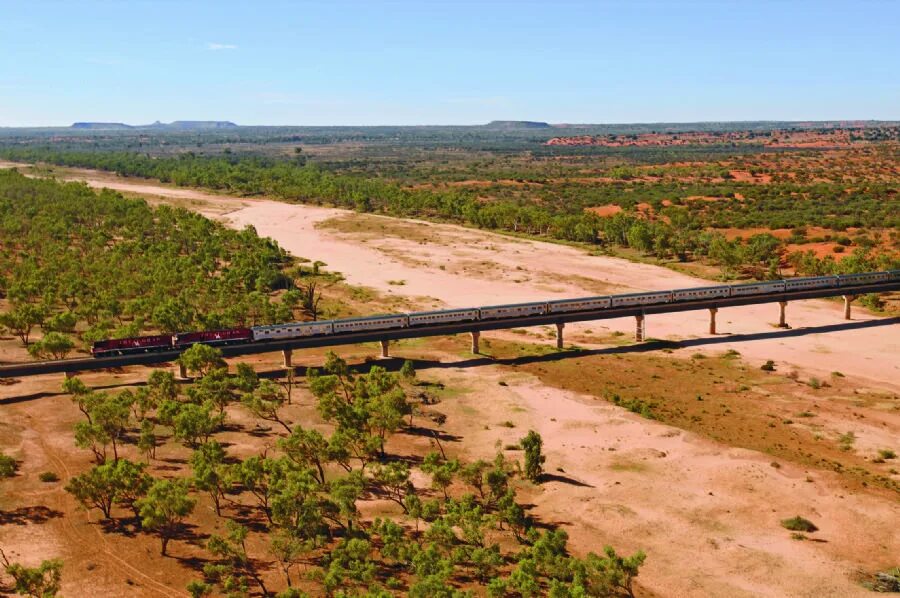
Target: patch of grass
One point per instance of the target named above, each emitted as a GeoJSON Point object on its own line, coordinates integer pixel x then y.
{"type": "Point", "coordinates": [845, 441]}
{"type": "Point", "coordinates": [639, 406]}
{"type": "Point", "coordinates": [805, 414]}
{"type": "Point", "coordinates": [799, 524]}
{"type": "Point", "coordinates": [397, 283]}
{"type": "Point", "coordinates": [887, 454]}
{"type": "Point", "coordinates": [768, 366]}
{"type": "Point", "coordinates": [508, 424]}
{"type": "Point", "coordinates": [837, 374]}
{"type": "Point", "coordinates": [48, 476]}
{"type": "Point", "coordinates": [730, 354]}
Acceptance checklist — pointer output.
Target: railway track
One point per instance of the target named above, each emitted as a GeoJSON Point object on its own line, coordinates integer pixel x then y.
{"type": "Point", "coordinates": [71, 366]}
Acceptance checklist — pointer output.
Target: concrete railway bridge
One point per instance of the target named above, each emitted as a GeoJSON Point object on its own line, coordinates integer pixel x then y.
{"type": "Point", "coordinates": [640, 314]}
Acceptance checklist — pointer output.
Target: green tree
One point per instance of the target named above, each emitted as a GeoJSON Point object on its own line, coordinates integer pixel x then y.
{"type": "Point", "coordinates": [201, 359]}
{"type": "Point", "coordinates": [22, 318]}
{"type": "Point", "coordinates": [394, 480]}
{"type": "Point", "coordinates": [195, 423]}
{"type": "Point", "coordinates": [232, 548]}
{"type": "Point", "coordinates": [147, 439]}
{"type": "Point", "coordinates": [211, 471]}
{"type": "Point", "coordinates": [53, 344]}
{"type": "Point", "coordinates": [532, 444]}
{"type": "Point", "coordinates": [442, 471]}
{"type": "Point", "coordinates": [43, 581]}
{"type": "Point", "coordinates": [306, 448]}
{"type": "Point", "coordinates": [96, 488]}
{"type": "Point", "coordinates": [265, 401]}
{"type": "Point", "coordinates": [167, 503]}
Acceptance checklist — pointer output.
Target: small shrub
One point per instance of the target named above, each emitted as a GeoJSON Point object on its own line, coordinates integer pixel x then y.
{"type": "Point", "coordinates": [846, 441]}
{"type": "Point", "coordinates": [508, 424]}
{"type": "Point", "coordinates": [8, 466]}
{"type": "Point", "coordinates": [799, 524]}
{"type": "Point", "coordinates": [48, 476]}
{"type": "Point", "coordinates": [837, 374]}
{"type": "Point", "coordinates": [730, 354]}
{"type": "Point", "coordinates": [887, 454]}
{"type": "Point", "coordinates": [798, 536]}
{"type": "Point", "coordinates": [815, 383]}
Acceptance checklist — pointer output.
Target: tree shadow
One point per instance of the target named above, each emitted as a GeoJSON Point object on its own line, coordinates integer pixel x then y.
{"type": "Point", "coordinates": [192, 562]}
{"type": "Point", "coordinates": [553, 477]}
{"type": "Point", "coordinates": [24, 515]}
{"type": "Point", "coordinates": [431, 433]}
{"type": "Point", "coordinates": [127, 526]}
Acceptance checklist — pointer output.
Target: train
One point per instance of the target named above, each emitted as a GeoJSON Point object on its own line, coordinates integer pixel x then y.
{"type": "Point", "coordinates": [293, 330]}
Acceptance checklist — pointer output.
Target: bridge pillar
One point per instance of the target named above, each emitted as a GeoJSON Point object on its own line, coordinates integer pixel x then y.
{"type": "Point", "coordinates": [475, 336]}
{"type": "Point", "coordinates": [712, 319]}
{"type": "Point", "coordinates": [384, 350]}
{"type": "Point", "coordinates": [847, 300]}
{"type": "Point", "coordinates": [69, 375]}
{"type": "Point", "coordinates": [287, 354]}
{"type": "Point", "coordinates": [180, 371]}
{"type": "Point", "coordinates": [639, 328]}
{"type": "Point", "coordinates": [559, 334]}
{"type": "Point", "coordinates": [782, 321]}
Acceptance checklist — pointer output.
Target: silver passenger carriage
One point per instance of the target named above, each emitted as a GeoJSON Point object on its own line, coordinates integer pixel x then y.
{"type": "Point", "coordinates": [291, 330]}
{"type": "Point", "coordinates": [812, 282]}
{"type": "Point", "coordinates": [701, 293]}
{"type": "Point", "coordinates": [444, 316]}
{"type": "Point", "coordinates": [863, 278]}
{"type": "Point", "coordinates": [514, 310]}
{"type": "Point", "coordinates": [371, 323]}
{"type": "Point", "coordinates": [583, 304]}
{"type": "Point", "coordinates": [642, 298]}
{"type": "Point", "coordinates": [757, 288]}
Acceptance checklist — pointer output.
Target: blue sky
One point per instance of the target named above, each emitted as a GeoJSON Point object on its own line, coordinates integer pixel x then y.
{"type": "Point", "coordinates": [436, 62]}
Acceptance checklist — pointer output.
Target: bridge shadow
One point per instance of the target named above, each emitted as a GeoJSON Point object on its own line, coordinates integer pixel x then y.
{"type": "Point", "coordinates": [394, 364]}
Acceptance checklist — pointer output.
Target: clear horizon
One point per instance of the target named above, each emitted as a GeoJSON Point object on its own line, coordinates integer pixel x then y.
{"type": "Point", "coordinates": [404, 63]}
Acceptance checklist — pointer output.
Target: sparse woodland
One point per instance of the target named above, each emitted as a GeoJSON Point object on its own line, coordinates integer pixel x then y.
{"type": "Point", "coordinates": [293, 514]}
{"type": "Point", "coordinates": [80, 265]}
{"type": "Point", "coordinates": [662, 217]}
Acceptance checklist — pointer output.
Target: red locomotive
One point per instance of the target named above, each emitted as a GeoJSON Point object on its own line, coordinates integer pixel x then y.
{"type": "Point", "coordinates": [127, 346]}
{"type": "Point", "coordinates": [212, 337]}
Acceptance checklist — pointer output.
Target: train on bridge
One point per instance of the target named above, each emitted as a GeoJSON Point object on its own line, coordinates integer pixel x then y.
{"type": "Point", "coordinates": [293, 330]}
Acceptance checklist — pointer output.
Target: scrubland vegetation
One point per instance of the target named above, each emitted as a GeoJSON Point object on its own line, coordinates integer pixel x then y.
{"type": "Point", "coordinates": [327, 506]}
{"type": "Point", "coordinates": [747, 213]}
{"type": "Point", "coordinates": [84, 265]}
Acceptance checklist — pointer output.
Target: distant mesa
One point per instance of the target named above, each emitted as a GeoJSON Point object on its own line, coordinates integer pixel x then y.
{"type": "Point", "coordinates": [178, 125]}
{"type": "Point", "coordinates": [516, 124]}
{"type": "Point", "coordinates": [101, 126]}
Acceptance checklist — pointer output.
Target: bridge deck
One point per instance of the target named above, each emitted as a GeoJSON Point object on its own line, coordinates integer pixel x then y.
{"type": "Point", "coordinates": [90, 363]}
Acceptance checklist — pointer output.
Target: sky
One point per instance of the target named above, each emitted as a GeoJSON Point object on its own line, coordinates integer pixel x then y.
{"type": "Point", "coordinates": [443, 62]}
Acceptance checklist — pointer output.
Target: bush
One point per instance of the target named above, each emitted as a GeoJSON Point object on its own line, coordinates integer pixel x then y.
{"type": "Point", "coordinates": [799, 524]}
{"type": "Point", "coordinates": [534, 459]}
{"type": "Point", "coordinates": [887, 454]}
{"type": "Point", "coordinates": [768, 366]}
{"type": "Point", "coordinates": [48, 476]}
{"type": "Point", "coordinates": [8, 466]}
